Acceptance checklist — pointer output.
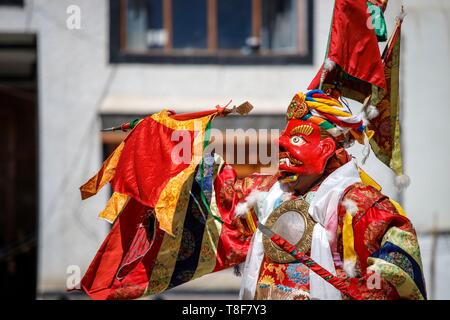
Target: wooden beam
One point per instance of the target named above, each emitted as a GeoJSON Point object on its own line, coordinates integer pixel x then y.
{"type": "Point", "coordinates": [113, 138]}
{"type": "Point", "coordinates": [256, 18]}
{"type": "Point", "coordinates": [168, 23]}
{"type": "Point", "coordinates": [212, 25]}
{"type": "Point", "coordinates": [123, 30]}
{"type": "Point", "coordinates": [301, 15]}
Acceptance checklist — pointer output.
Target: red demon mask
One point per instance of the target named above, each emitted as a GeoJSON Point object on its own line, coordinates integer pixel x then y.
{"type": "Point", "coordinates": [302, 150]}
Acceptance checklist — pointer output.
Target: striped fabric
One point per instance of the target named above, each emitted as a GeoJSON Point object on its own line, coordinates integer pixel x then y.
{"type": "Point", "coordinates": [138, 258]}
{"type": "Point", "coordinates": [398, 261]}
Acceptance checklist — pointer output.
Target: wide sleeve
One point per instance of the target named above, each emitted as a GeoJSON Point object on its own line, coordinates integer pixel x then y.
{"type": "Point", "coordinates": [389, 264]}
{"type": "Point", "coordinates": [237, 230]}
{"type": "Point", "coordinates": [232, 193]}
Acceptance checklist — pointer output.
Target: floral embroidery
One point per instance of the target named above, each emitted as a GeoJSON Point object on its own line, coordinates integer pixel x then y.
{"type": "Point", "coordinates": [400, 260]}
{"type": "Point", "coordinates": [184, 276]}
{"type": "Point", "coordinates": [298, 273]}
{"type": "Point", "coordinates": [373, 232]}
{"type": "Point", "coordinates": [187, 245]}
{"type": "Point", "coordinates": [415, 294]}
{"type": "Point", "coordinates": [128, 291]}
{"type": "Point", "coordinates": [278, 269]}
{"type": "Point", "coordinates": [405, 240]}
{"type": "Point", "coordinates": [396, 279]}
{"type": "Point", "coordinates": [266, 280]}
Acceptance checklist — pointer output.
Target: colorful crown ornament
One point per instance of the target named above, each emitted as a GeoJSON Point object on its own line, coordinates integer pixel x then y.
{"type": "Point", "coordinates": [297, 108]}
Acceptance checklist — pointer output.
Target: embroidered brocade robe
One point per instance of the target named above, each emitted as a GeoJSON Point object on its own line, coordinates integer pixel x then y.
{"type": "Point", "coordinates": [387, 263]}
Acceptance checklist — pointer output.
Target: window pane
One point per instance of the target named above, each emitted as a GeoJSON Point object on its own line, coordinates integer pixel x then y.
{"type": "Point", "coordinates": [280, 27]}
{"type": "Point", "coordinates": [144, 25]}
{"type": "Point", "coordinates": [234, 23]}
{"type": "Point", "coordinates": [156, 35]}
{"type": "Point", "coordinates": [189, 24]}
{"type": "Point", "coordinates": [283, 28]}
{"type": "Point", "coordinates": [11, 3]}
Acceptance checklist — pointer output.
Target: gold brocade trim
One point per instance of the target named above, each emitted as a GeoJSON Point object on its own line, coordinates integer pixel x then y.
{"type": "Point", "coordinates": [388, 103]}
{"type": "Point", "coordinates": [103, 176]}
{"type": "Point", "coordinates": [167, 255]}
{"type": "Point", "coordinates": [405, 240]}
{"type": "Point", "coordinates": [396, 157]}
{"type": "Point", "coordinates": [405, 286]}
{"type": "Point", "coordinates": [163, 117]}
{"type": "Point", "coordinates": [114, 207]}
{"type": "Point", "coordinates": [210, 241]}
{"type": "Point", "coordinates": [168, 198]}
{"type": "Point", "coordinates": [396, 161]}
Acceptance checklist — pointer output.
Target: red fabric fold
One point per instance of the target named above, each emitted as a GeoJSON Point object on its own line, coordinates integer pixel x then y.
{"type": "Point", "coordinates": [146, 164]}
{"type": "Point", "coordinates": [353, 44]}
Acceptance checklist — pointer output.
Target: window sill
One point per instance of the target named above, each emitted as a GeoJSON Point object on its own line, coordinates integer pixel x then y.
{"type": "Point", "coordinates": [217, 59]}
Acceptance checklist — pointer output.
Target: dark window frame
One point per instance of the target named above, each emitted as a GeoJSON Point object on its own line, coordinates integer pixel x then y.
{"type": "Point", "coordinates": [12, 3]}
{"type": "Point", "coordinates": [119, 54]}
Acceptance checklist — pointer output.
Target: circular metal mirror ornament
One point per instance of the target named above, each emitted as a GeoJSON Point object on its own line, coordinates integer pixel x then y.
{"type": "Point", "coordinates": [291, 221]}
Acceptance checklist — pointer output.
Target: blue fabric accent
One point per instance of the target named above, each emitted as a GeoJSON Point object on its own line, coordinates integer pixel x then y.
{"type": "Point", "coordinates": [310, 93]}
{"type": "Point", "coordinates": [307, 116]}
{"type": "Point", "coordinates": [394, 254]}
{"type": "Point", "coordinates": [284, 288]}
{"type": "Point", "coordinates": [208, 172]}
{"type": "Point", "coordinates": [278, 202]}
{"type": "Point", "coordinates": [191, 243]}
{"type": "Point", "coordinates": [297, 273]}
{"type": "Point", "coordinates": [309, 197]}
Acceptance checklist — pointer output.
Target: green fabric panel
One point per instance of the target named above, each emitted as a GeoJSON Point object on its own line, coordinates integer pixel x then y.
{"type": "Point", "coordinates": [378, 21]}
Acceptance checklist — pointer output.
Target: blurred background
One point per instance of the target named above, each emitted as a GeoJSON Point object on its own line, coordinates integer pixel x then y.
{"type": "Point", "coordinates": [71, 67]}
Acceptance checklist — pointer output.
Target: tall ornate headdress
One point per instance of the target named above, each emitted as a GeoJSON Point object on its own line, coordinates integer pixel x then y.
{"type": "Point", "coordinates": [331, 115]}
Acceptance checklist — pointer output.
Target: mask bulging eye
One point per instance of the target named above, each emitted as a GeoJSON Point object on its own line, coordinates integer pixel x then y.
{"type": "Point", "coordinates": [297, 140]}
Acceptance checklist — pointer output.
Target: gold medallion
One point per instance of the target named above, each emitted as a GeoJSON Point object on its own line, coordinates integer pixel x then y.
{"type": "Point", "coordinates": [291, 221]}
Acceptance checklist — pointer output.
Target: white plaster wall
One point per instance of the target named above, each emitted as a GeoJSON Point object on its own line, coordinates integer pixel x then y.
{"type": "Point", "coordinates": [426, 69]}
{"type": "Point", "coordinates": [72, 72]}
